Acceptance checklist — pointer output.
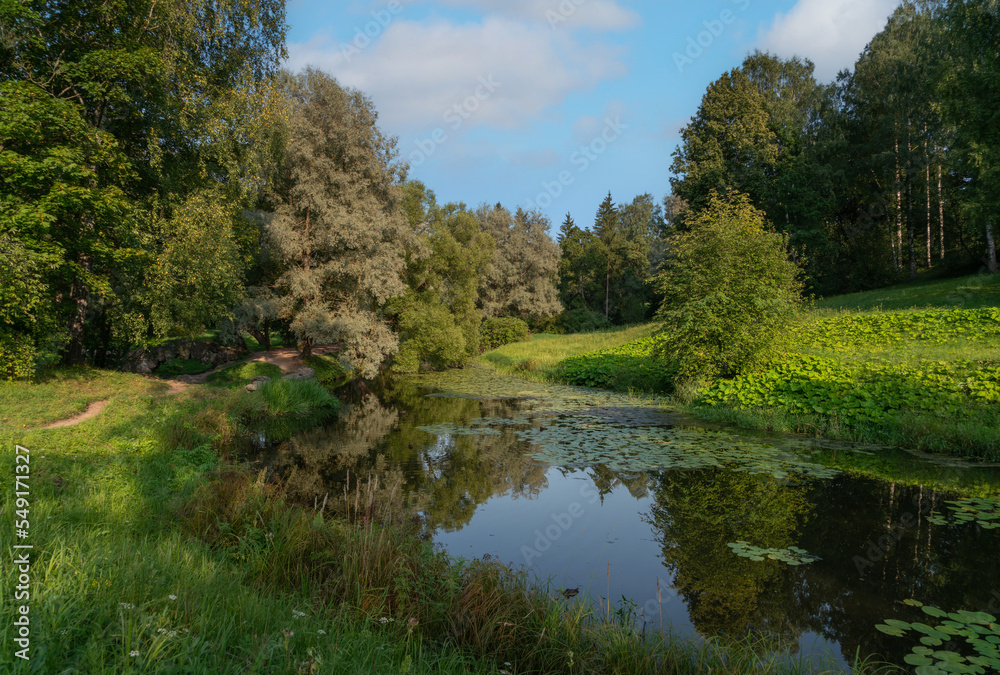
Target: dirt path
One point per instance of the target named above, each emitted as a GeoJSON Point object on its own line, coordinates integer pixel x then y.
{"type": "Point", "coordinates": [93, 410]}
{"type": "Point", "coordinates": [288, 360]}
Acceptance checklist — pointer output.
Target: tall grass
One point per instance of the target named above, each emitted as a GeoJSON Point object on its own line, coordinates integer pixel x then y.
{"type": "Point", "coordinates": [297, 397]}
{"type": "Point", "coordinates": [376, 572]}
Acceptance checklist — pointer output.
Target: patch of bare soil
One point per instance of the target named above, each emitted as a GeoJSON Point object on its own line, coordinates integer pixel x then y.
{"type": "Point", "coordinates": [93, 410]}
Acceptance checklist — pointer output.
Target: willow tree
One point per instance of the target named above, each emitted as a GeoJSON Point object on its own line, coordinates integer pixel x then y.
{"type": "Point", "coordinates": [522, 279]}
{"type": "Point", "coordinates": [339, 224]}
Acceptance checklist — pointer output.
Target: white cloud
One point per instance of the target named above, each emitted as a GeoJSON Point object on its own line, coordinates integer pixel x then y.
{"type": "Point", "coordinates": [832, 33]}
{"type": "Point", "coordinates": [437, 74]}
{"type": "Point", "coordinates": [599, 14]}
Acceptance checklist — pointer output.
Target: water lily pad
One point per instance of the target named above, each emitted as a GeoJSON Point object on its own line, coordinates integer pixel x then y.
{"type": "Point", "coordinates": [790, 556]}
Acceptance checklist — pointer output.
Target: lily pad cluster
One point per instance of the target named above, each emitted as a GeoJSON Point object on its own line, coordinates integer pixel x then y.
{"type": "Point", "coordinates": [976, 632]}
{"type": "Point", "coordinates": [570, 426]}
{"type": "Point", "coordinates": [984, 512]}
{"type": "Point", "coordinates": [793, 555]}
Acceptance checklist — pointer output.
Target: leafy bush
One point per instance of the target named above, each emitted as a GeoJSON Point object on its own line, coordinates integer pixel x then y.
{"type": "Point", "coordinates": [17, 357]}
{"type": "Point", "coordinates": [182, 367]}
{"type": "Point", "coordinates": [430, 334]}
{"type": "Point", "coordinates": [631, 366]}
{"type": "Point", "coordinates": [728, 291]}
{"type": "Point", "coordinates": [502, 331]}
{"type": "Point", "coordinates": [582, 321]}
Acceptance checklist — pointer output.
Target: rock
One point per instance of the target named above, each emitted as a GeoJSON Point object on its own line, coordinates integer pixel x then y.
{"type": "Point", "coordinates": [256, 382]}
{"type": "Point", "coordinates": [147, 360]}
{"type": "Point", "coordinates": [301, 374]}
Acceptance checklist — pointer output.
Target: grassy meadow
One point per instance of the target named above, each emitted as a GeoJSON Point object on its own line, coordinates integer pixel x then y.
{"type": "Point", "coordinates": [916, 366]}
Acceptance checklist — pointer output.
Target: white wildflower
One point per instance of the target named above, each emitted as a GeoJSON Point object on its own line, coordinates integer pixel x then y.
{"type": "Point", "coordinates": [134, 652]}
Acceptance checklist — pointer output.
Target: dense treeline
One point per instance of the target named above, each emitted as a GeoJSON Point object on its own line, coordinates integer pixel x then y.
{"type": "Point", "coordinates": [885, 173]}
{"type": "Point", "coordinates": [160, 176]}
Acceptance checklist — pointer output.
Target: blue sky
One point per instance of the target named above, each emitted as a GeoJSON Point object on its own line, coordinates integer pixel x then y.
{"type": "Point", "coordinates": [553, 103]}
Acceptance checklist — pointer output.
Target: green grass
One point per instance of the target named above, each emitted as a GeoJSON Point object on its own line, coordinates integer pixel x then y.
{"type": "Point", "coordinates": [150, 555]}
{"type": "Point", "coordinates": [970, 292]}
{"type": "Point", "coordinates": [328, 370]}
{"type": "Point", "coordinates": [540, 358]}
{"type": "Point", "coordinates": [241, 374]}
{"type": "Point", "coordinates": [182, 367]}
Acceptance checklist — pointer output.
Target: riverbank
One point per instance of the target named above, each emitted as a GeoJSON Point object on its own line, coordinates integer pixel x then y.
{"type": "Point", "coordinates": [152, 553]}
{"type": "Point", "coordinates": [901, 367]}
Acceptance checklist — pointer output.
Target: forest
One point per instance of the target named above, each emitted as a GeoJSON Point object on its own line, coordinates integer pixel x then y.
{"type": "Point", "coordinates": [164, 183]}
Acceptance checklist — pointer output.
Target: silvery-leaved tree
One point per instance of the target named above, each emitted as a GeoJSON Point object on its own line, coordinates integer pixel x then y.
{"type": "Point", "coordinates": [523, 277]}
{"type": "Point", "coordinates": [338, 227]}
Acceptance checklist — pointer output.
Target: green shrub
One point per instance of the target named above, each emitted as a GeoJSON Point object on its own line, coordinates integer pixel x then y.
{"type": "Point", "coordinates": [502, 331]}
{"type": "Point", "coordinates": [728, 292]}
{"type": "Point", "coordinates": [182, 367]}
{"type": "Point", "coordinates": [582, 321]}
{"type": "Point", "coordinates": [430, 334]}
{"type": "Point", "coordinates": [17, 357]}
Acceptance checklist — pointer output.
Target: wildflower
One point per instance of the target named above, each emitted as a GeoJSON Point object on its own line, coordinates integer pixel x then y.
{"type": "Point", "coordinates": [172, 597]}
{"type": "Point", "coordinates": [297, 614]}
{"type": "Point", "coordinates": [287, 633]}
{"type": "Point", "coordinates": [126, 605]}
{"type": "Point", "coordinates": [161, 631]}
{"type": "Point", "coordinates": [321, 632]}
{"type": "Point", "coordinates": [134, 652]}
{"type": "Point", "coordinates": [386, 619]}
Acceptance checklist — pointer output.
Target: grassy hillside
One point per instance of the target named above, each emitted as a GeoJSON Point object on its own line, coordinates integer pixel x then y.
{"type": "Point", "coordinates": [927, 377]}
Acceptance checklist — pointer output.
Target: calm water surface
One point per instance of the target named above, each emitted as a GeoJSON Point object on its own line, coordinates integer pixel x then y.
{"type": "Point", "coordinates": [623, 500]}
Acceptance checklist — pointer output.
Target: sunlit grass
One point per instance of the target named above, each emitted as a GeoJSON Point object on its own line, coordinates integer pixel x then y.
{"type": "Point", "coordinates": [969, 292]}
{"type": "Point", "coordinates": [538, 358]}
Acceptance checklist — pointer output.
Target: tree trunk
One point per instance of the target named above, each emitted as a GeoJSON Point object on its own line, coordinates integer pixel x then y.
{"type": "Point", "coordinates": [607, 295]}
{"type": "Point", "coordinates": [941, 211]}
{"type": "Point", "coordinates": [899, 211]}
{"type": "Point", "coordinates": [927, 171]}
{"type": "Point", "coordinates": [307, 345]}
{"type": "Point", "coordinates": [913, 254]}
{"type": "Point", "coordinates": [78, 298]}
{"type": "Point", "coordinates": [267, 334]}
{"type": "Point", "coordinates": [991, 245]}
